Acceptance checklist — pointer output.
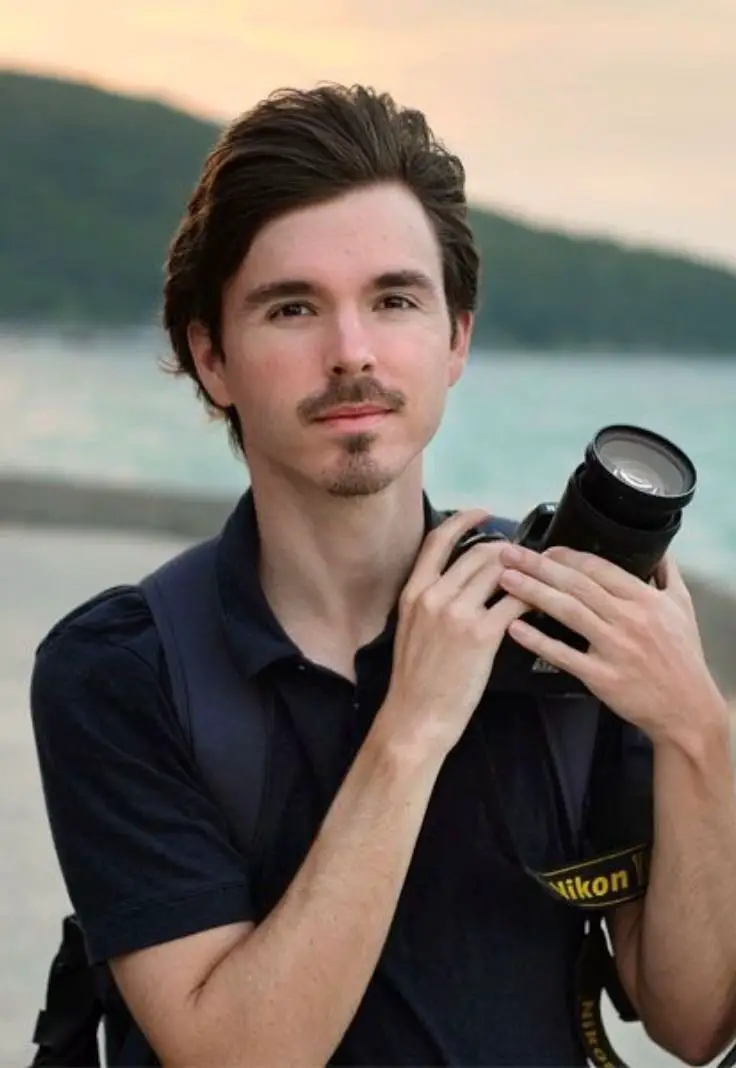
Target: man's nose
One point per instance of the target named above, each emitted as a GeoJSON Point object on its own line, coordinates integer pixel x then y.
{"type": "Point", "coordinates": [350, 349]}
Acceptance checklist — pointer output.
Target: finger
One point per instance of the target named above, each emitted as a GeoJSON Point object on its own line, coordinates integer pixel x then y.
{"type": "Point", "coordinates": [438, 546]}
{"type": "Point", "coordinates": [471, 565]}
{"type": "Point", "coordinates": [561, 605]}
{"type": "Point", "coordinates": [503, 613]}
{"type": "Point", "coordinates": [548, 569]}
{"type": "Point", "coordinates": [610, 576]}
{"type": "Point", "coordinates": [478, 589]}
{"type": "Point", "coordinates": [555, 652]}
{"type": "Point", "coordinates": [668, 575]}
{"type": "Point", "coordinates": [670, 583]}
{"type": "Point", "coordinates": [659, 578]}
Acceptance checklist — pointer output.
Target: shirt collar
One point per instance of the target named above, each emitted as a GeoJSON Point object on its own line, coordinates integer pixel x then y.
{"type": "Point", "coordinates": [255, 634]}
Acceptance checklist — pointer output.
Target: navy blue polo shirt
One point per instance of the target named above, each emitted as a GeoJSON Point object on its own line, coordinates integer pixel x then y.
{"type": "Point", "coordinates": [477, 968]}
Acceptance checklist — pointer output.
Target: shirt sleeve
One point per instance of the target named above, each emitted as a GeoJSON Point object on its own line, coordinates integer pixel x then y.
{"type": "Point", "coordinates": [143, 849]}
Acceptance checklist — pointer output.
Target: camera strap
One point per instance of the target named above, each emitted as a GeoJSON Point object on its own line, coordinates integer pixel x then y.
{"type": "Point", "coordinates": [593, 883]}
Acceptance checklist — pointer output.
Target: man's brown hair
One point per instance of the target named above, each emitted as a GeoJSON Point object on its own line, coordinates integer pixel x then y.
{"type": "Point", "coordinates": [295, 149]}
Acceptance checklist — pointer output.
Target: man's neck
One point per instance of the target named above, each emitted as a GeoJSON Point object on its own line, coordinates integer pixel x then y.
{"type": "Point", "coordinates": [333, 568]}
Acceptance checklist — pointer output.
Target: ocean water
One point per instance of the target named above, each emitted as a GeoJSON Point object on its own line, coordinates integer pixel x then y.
{"type": "Point", "coordinates": [516, 425]}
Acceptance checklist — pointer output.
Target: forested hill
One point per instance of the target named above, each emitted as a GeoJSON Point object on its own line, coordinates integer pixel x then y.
{"type": "Point", "coordinates": [92, 185]}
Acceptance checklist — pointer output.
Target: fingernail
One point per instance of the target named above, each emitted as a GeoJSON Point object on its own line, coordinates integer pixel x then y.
{"type": "Point", "coordinates": [512, 554]}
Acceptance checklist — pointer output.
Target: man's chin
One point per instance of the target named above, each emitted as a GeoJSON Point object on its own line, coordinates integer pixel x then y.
{"type": "Point", "coordinates": [349, 484]}
{"type": "Point", "coordinates": [357, 475]}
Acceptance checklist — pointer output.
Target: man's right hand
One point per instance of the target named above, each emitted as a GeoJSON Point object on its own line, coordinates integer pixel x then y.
{"type": "Point", "coordinates": [446, 638]}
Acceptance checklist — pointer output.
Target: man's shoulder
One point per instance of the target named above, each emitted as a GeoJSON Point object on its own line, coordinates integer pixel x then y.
{"type": "Point", "coordinates": [100, 671]}
{"type": "Point", "coordinates": [118, 615]}
{"type": "Point", "coordinates": [109, 636]}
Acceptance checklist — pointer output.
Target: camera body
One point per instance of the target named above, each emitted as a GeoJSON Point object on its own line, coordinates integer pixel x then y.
{"type": "Point", "coordinates": [623, 503]}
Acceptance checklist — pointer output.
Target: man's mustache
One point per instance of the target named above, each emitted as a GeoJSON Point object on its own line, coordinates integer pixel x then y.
{"type": "Point", "coordinates": [353, 391]}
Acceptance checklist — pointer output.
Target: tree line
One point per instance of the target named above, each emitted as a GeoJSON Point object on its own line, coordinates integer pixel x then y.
{"type": "Point", "coordinates": [92, 185]}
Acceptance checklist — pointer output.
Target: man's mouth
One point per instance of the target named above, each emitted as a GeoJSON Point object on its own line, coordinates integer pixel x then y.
{"type": "Point", "coordinates": [354, 416]}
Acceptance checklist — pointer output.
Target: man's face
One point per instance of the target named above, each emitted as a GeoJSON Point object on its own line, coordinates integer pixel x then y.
{"type": "Point", "coordinates": [337, 342]}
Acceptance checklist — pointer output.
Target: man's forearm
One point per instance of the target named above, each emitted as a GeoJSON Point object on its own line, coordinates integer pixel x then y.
{"type": "Point", "coordinates": [286, 994]}
{"type": "Point", "coordinates": [687, 940]}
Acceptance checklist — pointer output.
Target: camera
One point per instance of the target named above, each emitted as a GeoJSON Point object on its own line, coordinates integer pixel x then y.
{"type": "Point", "coordinates": [624, 503]}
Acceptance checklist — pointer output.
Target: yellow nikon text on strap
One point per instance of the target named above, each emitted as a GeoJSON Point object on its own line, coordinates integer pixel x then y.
{"type": "Point", "coordinates": [602, 882]}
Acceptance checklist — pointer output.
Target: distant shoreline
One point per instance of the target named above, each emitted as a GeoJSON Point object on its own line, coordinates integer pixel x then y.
{"type": "Point", "coordinates": [37, 501]}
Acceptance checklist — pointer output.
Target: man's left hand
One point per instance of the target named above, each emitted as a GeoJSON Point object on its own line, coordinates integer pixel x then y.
{"type": "Point", "coordinates": [645, 658]}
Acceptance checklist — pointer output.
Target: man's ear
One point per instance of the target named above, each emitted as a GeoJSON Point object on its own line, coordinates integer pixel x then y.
{"type": "Point", "coordinates": [460, 345]}
{"type": "Point", "coordinates": [209, 363]}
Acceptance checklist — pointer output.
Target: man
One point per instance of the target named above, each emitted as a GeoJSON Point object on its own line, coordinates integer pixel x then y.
{"type": "Point", "coordinates": [320, 294]}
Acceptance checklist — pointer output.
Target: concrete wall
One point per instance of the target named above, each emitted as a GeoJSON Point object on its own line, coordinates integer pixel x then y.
{"type": "Point", "coordinates": [61, 503]}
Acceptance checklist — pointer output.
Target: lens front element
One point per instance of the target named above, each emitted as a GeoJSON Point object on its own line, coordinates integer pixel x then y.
{"type": "Point", "coordinates": [645, 461]}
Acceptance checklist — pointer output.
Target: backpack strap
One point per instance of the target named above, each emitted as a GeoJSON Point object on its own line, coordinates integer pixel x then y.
{"type": "Point", "coordinates": [223, 713]}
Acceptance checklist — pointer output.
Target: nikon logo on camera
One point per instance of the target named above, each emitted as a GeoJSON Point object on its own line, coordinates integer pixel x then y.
{"type": "Point", "coordinates": [602, 881]}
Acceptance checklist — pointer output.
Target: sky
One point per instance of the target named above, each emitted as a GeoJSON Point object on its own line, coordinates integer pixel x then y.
{"type": "Point", "coordinates": [606, 116]}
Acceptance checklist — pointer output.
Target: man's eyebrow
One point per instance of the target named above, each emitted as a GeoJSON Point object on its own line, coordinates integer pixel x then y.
{"type": "Point", "coordinates": [293, 288]}
{"type": "Point", "coordinates": [281, 290]}
{"type": "Point", "coordinates": [404, 279]}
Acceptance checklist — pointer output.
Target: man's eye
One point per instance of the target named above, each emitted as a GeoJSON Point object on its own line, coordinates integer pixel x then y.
{"type": "Point", "coordinates": [293, 310]}
{"type": "Point", "coordinates": [396, 301]}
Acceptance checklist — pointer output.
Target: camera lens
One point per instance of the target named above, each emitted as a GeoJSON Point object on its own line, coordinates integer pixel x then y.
{"type": "Point", "coordinates": [635, 477]}
{"type": "Point", "coordinates": [645, 463]}
{"type": "Point", "coordinates": [625, 501]}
